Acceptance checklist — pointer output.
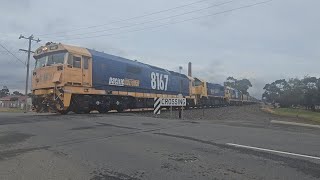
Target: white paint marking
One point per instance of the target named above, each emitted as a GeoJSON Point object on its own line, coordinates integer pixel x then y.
{"type": "Point", "coordinates": [274, 151]}
{"type": "Point", "coordinates": [295, 124]}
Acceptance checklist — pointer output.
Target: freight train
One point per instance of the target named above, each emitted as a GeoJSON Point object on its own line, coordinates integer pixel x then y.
{"type": "Point", "coordinates": [69, 78]}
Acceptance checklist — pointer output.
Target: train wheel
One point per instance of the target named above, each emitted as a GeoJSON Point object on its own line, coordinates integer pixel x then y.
{"type": "Point", "coordinates": [120, 109]}
{"type": "Point", "coordinates": [38, 109]}
{"type": "Point", "coordinates": [80, 104]}
{"type": "Point", "coordinates": [63, 112]}
{"type": "Point", "coordinates": [102, 110]}
{"type": "Point", "coordinates": [78, 111]}
{"type": "Point", "coordinates": [87, 111]}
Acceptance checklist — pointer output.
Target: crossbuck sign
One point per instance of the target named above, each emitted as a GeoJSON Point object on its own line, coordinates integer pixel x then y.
{"type": "Point", "coordinates": [167, 102]}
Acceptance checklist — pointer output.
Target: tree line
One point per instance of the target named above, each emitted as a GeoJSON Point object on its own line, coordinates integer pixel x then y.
{"type": "Point", "coordinates": [294, 92]}
{"type": "Point", "coordinates": [6, 92]}
{"type": "Point", "coordinates": [242, 85]}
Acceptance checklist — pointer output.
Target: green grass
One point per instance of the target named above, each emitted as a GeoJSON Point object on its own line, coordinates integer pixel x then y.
{"type": "Point", "coordinates": [300, 113]}
{"type": "Point", "coordinates": [11, 110]}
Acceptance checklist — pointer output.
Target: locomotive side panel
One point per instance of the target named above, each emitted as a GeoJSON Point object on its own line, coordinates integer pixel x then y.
{"type": "Point", "coordinates": [216, 90]}
{"type": "Point", "coordinates": [112, 73]}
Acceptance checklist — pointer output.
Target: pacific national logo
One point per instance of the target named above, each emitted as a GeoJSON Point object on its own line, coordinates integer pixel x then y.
{"type": "Point", "coordinates": [116, 81]}
{"type": "Point", "coordinates": [123, 82]}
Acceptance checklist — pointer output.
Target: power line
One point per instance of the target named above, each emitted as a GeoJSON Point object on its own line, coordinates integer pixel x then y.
{"type": "Point", "coordinates": [11, 51]}
{"type": "Point", "coordinates": [33, 43]}
{"type": "Point", "coordinates": [177, 22]}
{"type": "Point", "coordinates": [12, 54]}
{"type": "Point", "coordinates": [155, 20]}
{"type": "Point", "coordinates": [127, 19]}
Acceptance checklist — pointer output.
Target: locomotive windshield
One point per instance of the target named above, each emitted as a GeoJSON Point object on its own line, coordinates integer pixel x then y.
{"type": "Point", "coordinates": [197, 82]}
{"type": "Point", "coordinates": [51, 59]}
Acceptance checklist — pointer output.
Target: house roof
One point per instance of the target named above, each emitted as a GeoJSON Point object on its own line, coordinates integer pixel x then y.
{"type": "Point", "coordinates": [22, 98]}
{"type": "Point", "coordinates": [8, 98]}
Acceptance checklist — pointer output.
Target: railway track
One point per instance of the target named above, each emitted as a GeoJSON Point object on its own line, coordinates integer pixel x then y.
{"type": "Point", "coordinates": [143, 110]}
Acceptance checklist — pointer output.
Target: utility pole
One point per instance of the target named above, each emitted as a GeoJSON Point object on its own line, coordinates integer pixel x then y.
{"type": "Point", "coordinates": [180, 68]}
{"type": "Point", "coordinates": [30, 39]}
{"type": "Point", "coordinates": [180, 108]}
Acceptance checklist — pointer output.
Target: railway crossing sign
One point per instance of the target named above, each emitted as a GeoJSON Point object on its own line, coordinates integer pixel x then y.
{"type": "Point", "coordinates": [168, 102]}
{"type": "Point", "coordinates": [157, 105]}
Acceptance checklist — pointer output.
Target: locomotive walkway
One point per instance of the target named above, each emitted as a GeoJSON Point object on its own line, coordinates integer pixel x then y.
{"type": "Point", "coordinates": [222, 143]}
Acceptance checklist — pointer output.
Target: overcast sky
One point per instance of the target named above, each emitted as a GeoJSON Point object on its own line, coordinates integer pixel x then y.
{"type": "Point", "coordinates": [279, 39]}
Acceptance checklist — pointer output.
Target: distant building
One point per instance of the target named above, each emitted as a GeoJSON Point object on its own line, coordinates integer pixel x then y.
{"type": "Point", "coordinates": [15, 102]}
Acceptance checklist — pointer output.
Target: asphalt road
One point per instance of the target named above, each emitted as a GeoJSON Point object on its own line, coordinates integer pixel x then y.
{"type": "Point", "coordinates": [234, 143]}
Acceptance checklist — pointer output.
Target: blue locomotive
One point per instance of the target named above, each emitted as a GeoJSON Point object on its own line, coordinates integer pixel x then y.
{"type": "Point", "coordinates": [68, 78]}
{"type": "Point", "coordinates": [112, 73]}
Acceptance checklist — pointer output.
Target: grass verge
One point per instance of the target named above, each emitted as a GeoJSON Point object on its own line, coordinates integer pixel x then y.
{"type": "Point", "coordinates": [11, 110]}
{"type": "Point", "coordinates": [299, 113]}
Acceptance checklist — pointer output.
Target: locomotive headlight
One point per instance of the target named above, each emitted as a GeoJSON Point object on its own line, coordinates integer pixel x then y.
{"type": "Point", "coordinates": [44, 49]}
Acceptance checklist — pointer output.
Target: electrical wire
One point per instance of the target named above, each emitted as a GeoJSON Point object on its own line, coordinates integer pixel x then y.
{"type": "Point", "coordinates": [127, 19]}
{"type": "Point", "coordinates": [171, 23]}
{"type": "Point", "coordinates": [155, 20]}
{"type": "Point", "coordinates": [12, 54]}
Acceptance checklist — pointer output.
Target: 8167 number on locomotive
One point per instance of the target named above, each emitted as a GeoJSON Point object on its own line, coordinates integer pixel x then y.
{"type": "Point", "coordinates": [159, 81]}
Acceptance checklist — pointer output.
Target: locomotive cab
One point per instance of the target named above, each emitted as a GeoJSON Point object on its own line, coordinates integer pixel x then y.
{"type": "Point", "coordinates": [58, 69]}
{"type": "Point", "coordinates": [199, 88]}
{"type": "Point", "coordinates": [208, 94]}
{"type": "Point", "coordinates": [233, 96]}
{"type": "Point", "coordinates": [58, 66]}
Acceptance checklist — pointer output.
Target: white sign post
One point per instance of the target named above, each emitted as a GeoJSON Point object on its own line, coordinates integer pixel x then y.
{"type": "Point", "coordinates": [173, 102]}
{"type": "Point", "coordinates": [168, 102]}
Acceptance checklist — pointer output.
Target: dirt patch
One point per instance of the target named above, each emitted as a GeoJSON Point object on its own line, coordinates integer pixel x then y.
{"type": "Point", "coordinates": [112, 175]}
{"type": "Point", "coordinates": [59, 153]}
{"type": "Point", "coordinates": [149, 124]}
{"type": "Point", "coordinates": [117, 126]}
{"type": "Point", "coordinates": [83, 128]}
{"type": "Point", "coordinates": [102, 125]}
{"type": "Point", "coordinates": [191, 122]}
{"type": "Point", "coordinates": [15, 152]}
{"type": "Point", "coordinates": [267, 109]}
{"type": "Point", "coordinates": [13, 138]}
{"type": "Point", "coordinates": [183, 157]}
{"type": "Point", "coordinates": [235, 171]}
{"type": "Point", "coordinates": [169, 167]}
